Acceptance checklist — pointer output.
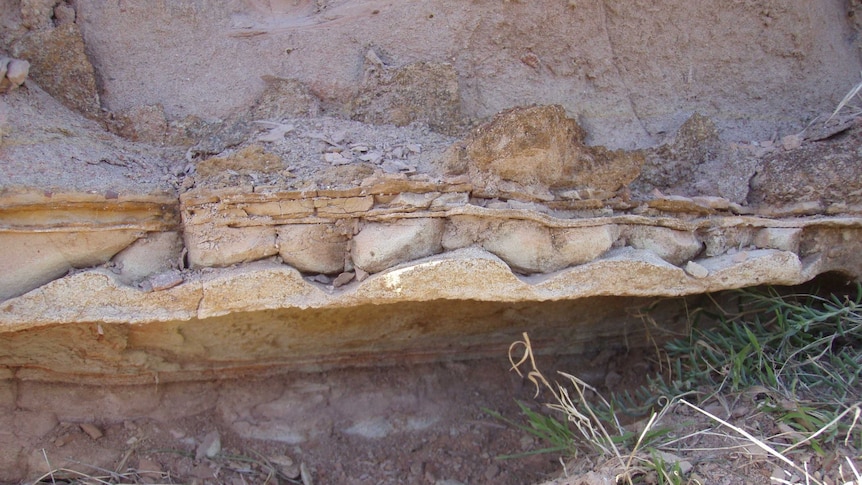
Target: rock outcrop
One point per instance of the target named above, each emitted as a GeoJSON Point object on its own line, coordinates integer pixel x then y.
{"type": "Point", "coordinates": [266, 259]}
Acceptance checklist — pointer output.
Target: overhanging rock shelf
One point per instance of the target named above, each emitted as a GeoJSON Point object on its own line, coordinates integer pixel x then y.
{"type": "Point", "coordinates": [432, 252]}
{"type": "Point", "coordinates": [250, 269]}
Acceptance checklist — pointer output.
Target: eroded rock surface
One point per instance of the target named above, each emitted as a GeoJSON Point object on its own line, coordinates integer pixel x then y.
{"type": "Point", "coordinates": [267, 239]}
{"type": "Point", "coordinates": [396, 199]}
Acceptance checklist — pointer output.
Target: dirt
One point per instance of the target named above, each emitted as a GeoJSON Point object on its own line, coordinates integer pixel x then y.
{"type": "Point", "coordinates": [630, 73]}
{"type": "Point", "coordinates": [398, 424]}
{"type": "Point", "coordinates": [184, 83]}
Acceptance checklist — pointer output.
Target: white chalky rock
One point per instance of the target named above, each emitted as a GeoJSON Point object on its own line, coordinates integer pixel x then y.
{"type": "Point", "coordinates": [533, 248]}
{"type": "Point", "coordinates": [675, 247]}
{"type": "Point", "coordinates": [13, 73]}
{"type": "Point", "coordinates": [381, 246]}
{"type": "Point", "coordinates": [224, 246]}
{"type": "Point", "coordinates": [785, 239]}
{"type": "Point", "coordinates": [31, 260]}
{"type": "Point", "coordinates": [150, 255]}
{"type": "Point", "coordinates": [17, 71]}
{"type": "Point", "coordinates": [696, 270]}
{"type": "Point", "coordinates": [312, 248]}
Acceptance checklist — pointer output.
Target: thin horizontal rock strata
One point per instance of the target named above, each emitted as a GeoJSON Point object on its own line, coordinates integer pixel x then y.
{"type": "Point", "coordinates": [520, 212]}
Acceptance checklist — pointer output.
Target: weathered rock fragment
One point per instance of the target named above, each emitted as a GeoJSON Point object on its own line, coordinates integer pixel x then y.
{"type": "Point", "coordinates": [218, 246]}
{"type": "Point", "coordinates": [284, 98]}
{"type": "Point", "coordinates": [696, 162]}
{"type": "Point", "coordinates": [381, 246]}
{"type": "Point", "coordinates": [785, 239]}
{"type": "Point", "coordinates": [817, 172]}
{"type": "Point", "coordinates": [531, 248]}
{"type": "Point", "coordinates": [424, 91]}
{"type": "Point", "coordinates": [675, 247]}
{"type": "Point", "coordinates": [13, 73]}
{"type": "Point", "coordinates": [31, 260]}
{"type": "Point", "coordinates": [142, 123]}
{"type": "Point", "coordinates": [313, 248]}
{"type": "Point", "coordinates": [154, 253]}
{"type": "Point", "coordinates": [253, 158]}
{"type": "Point", "coordinates": [59, 64]}
{"type": "Point", "coordinates": [539, 149]}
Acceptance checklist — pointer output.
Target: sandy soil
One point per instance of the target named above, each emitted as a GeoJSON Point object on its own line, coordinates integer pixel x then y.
{"type": "Point", "coordinates": [417, 424]}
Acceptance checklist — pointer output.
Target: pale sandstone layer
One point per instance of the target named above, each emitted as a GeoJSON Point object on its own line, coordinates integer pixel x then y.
{"type": "Point", "coordinates": [449, 259]}
{"type": "Point", "coordinates": [362, 194]}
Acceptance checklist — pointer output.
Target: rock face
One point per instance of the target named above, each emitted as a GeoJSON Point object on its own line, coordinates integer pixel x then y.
{"type": "Point", "coordinates": [328, 201]}
{"type": "Point", "coordinates": [13, 73]}
{"type": "Point", "coordinates": [538, 149]}
{"type": "Point", "coordinates": [60, 65]}
{"type": "Point", "coordinates": [422, 91]}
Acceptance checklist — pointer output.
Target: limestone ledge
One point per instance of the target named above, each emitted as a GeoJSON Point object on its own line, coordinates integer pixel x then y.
{"type": "Point", "coordinates": [330, 240]}
{"type": "Point", "coordinates": [466, 274]}
{"type": "Point", "coordinates": [44, 235]}
{"type": "Point", "coordinates": [222, 283]}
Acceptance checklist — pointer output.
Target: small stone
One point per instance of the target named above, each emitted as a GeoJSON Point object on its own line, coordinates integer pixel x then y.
{"type": "Point", "coordinates": [397, 166]}
{"type": "Point", "coordinates": [322, 279]}
{"type": "Point", "coordinates": [791, 142]}
{"type": "Point", "coordinates": [305, 475]}
{"type": "Point", "coordinates": [373, 157]}
{"type": "Point", "coordinates": [336, 158]}
{"type": "Point", "coordinates": [276, 132]}
{"type": "Point", "coordinates": [64, 14]}
{"type": "Point", "coordinates": [779, 475]}
{"type": "Point", "coordinates": [740, 257]}
{"type": "Point", "coordinates": [286, 465]}
{"type": "Point", "coordinates": [17, 71]}
{"type": "Point", "coordinates": [361, 274]}
{"type": "Point", "coordinates": [149, 468]}
{"type": "Point", "coordinates": [695, 270]}
{"type": "Point", "coordinates": [491, 471]}
{"type": "Point", "coordinates": [91, 430]}
{"type": "Point", "coordinates": [210, 446]}
{"type": "Point", "coordinates": [164, 281]}
{"type": "Point", "coordinates": [62, 440]}
{"type": "Point", "coordinates": [343, 279]}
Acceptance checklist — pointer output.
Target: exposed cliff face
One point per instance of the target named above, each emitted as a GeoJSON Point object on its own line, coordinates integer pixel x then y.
{"type": "Point", "coordinates": [354, 166]}
{"type": "Point", "coordinates": [205, 189]}
{"type": "Point", "coordinates": [307, 243]}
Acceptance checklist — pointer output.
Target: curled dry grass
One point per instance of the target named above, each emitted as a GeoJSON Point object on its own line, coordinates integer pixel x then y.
{"type": "Point", "coordinates": [797, 357]}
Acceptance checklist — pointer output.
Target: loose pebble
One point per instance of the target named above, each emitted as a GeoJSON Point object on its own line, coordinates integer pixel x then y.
{"type": "Point", "coordinates": [791, 142]}
{"type": "Point", "coordinates": [163, 281]}
{"type": "Point", "coordinates": [62, 440]}
{"type": "Point", "coordinates": [322, 279]}
{"type": "Point", "coordinates": [91, 430]}
{"type": "Point", "coordinates": [285, 465]}
{"type": "Point", "coordinates": [210, 446]}
{"type": "Point", "coordinates": [343, 279]}
{"type": "Point", "coordinates": [361, 274]}
{"type": "Point", "coordinates": [695, 270]}
{"type": "Point", "coordinates": [305, 474]}
{"type": "Point", "coordinates": [336, 158]}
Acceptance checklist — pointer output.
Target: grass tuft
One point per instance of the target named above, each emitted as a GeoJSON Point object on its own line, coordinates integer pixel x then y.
{"type": "Point", "coordinates": [797, 357]}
